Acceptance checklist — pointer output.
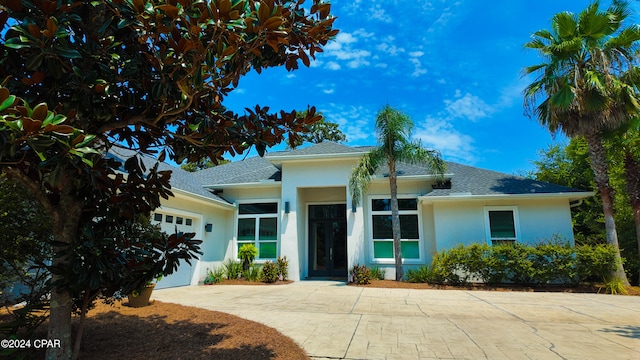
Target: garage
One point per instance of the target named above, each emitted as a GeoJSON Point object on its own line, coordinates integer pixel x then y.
{"type": "Point", "coordinates": [169, 222]}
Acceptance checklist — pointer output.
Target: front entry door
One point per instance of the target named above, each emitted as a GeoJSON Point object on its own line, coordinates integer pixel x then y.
{"type": "Point", "coordinates": [328, 240]}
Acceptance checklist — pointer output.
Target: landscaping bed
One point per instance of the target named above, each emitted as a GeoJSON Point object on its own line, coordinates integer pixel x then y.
{"type": "Point", "coordinates": [170, 331]}
{"type": "Point", "coordinates": [580, 288]}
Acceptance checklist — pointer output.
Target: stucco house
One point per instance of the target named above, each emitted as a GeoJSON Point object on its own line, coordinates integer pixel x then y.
{"type": "Point", "coordinates": [297, 204]}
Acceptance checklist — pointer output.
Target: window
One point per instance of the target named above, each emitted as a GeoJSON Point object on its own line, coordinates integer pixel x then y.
{"type": "Point", "coordinates": [179, 220]}
{"type": "Point", "coordinates": [188, 221]}
{"type": "Point", "coordinates": [258, 225]}
{"type": "Point", "coordinates": [168, 218]}
{"type": "Point", "coordinates": [501, 224]}
{"type": "Point", "coordinates": [157, 217]}
{"type": "Point", "coordinates": [382, 232]}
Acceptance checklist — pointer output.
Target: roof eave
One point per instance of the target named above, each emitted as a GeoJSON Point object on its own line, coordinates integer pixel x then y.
{"type": "Point", "coordinates": [206, 200]}
{"type": "Point", "coordinates": [271, 183]}
{"type": "Point", "coordinates": [278, 160]}
{"type": "Point", "coordinates": [470, 197]}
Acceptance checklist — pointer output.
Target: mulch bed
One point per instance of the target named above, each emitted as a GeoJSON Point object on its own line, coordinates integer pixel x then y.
{"type": "Point", "coordinates": [170, 331]}
{"type": "Point", "coordinates": [581, 288]}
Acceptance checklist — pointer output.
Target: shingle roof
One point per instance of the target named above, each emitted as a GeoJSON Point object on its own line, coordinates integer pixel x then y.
{"type": "Point", "coordinates": [323, 148]}
{"type": "Point", "coordinates": [180, 179]}
{"type": "Point", "coordinates": [467, 180]}
{"type": "Point", "coordinates": [475, 181]}
{"type": "Point", "coordinates": [464, 179]}
{"type": "Point", "coordinates": [250, 170]}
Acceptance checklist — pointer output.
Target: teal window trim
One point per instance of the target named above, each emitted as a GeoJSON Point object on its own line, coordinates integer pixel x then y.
{"type": "Point", "coordinates": [259, 229]}
{"type": "Point", "coordinates": [381, 239]}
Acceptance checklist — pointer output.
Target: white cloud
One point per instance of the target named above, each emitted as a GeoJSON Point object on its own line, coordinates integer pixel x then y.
{"type": "Point", "coordinates": [416, 53]}
{"type": "Point", "coordinates": [342, 49]}
{"type": "Point", "coordinates": [468, 106]}
{"type": "Point", "coordinates": [332, 65]}
{"type": "Point", "coordinates": [418, 70]}
{"type": "Point", "coordinates": [290, 75]}
{"type": "Point", "coordinates": [354, 120]}
{"type": "Point", "coordinates": [440, 134]}
{"type": "Point", "coordinates": [327, 88]}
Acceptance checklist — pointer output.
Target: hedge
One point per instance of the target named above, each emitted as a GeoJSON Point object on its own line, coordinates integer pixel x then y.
{"type": "Point", "coordinates": [518, 264]}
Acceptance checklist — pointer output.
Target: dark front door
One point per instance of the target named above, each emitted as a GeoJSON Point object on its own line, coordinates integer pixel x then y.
{"type": "Point", "coordinates": [328, 240]}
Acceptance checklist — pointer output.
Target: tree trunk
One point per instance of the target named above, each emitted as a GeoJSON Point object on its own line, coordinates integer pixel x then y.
{"type": "Point", "coordinates": [600, 169]}
{"type": "Point", "coordinates": [632, 175]}
{"type": "Point", "coordinates": [65, 225]}
{"type": "Point", "coordinates": [395, 220]}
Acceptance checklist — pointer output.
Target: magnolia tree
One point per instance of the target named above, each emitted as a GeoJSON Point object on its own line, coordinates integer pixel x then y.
{"type": "Point", "coordinates": [79, 78]}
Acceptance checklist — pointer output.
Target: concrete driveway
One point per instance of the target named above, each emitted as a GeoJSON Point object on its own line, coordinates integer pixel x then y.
{"type": "Point", "coordinates": [332, 320]}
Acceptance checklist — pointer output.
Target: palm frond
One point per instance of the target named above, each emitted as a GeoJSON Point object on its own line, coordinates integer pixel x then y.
{"type": "Point", "coordinates": [414, 153]}
{"type": "Point", "coordinates": [363, 172]}
{"type": "Point", "coordinates": [565, 25]}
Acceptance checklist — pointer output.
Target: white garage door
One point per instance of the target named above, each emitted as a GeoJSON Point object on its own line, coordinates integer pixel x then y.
{"type": "Point", "coordinates": [169, 222]}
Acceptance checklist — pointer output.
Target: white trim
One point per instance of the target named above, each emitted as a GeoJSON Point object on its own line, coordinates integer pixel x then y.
{"type": "Point", "coordinates": [466, 196]}
{"type": "Point", "coordinates": [277, 215]}
{"type": "Point", "coordinates": [204, 199]}
{"type": "Point", "coordinates": [370, 240]}
{"type": "Point", "coordinates": [516, 222]}
{"type": "Point", "coordinates": [270, 183]}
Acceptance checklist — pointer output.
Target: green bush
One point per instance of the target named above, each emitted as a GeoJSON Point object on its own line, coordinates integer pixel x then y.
{"type": "Point", "coordinates": [270, 272]}
{"type": "Point", "coordinates": [232, 269]}
{"type": "Point", "coordinates": [214, 277]}
{"type": "Point", "coordinates": [360, 275]}
{"type": "Point", "coordinates": [595, 262]}
{"type": "Point", "coordinates": [423, 274]}
{"type": "Point", "coordinates": [283, 268]}
{"type": "Point", "coordinates": [378, 273]}
{"type": "Point", "coordinates": [548, 263]}
{"type": "Point", "coordinates": [247, 253]}
{"type": "Point", "coordinates": [252, 273]}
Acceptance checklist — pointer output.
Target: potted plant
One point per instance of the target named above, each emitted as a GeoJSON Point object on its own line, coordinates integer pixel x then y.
{"type": "Point", "coordinates": [140, 297]}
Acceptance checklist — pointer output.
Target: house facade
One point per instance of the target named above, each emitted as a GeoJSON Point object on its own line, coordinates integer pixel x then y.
{"type": "Point", "coordinates": [297, 204]}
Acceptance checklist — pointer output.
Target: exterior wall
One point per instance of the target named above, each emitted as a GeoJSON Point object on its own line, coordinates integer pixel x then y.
{"type": "Point", "coordinates": [380, 187]}
{"type": "Point", "coordinates": [463, 222]}
{"type": "Point", "coordinates": [443, 224]}
{"type": "Point", "coordinates": [215, 244]}
{"type": "Point", "coordinates": [315, 182]}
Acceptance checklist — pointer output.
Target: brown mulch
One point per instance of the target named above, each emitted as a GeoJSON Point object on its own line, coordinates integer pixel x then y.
{"type": "Point", "coordinates": [170, 331]}
{"type": "Point", "coordinates": [581, 288]}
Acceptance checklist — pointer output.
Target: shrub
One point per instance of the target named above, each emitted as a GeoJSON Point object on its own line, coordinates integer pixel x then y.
{"type": "Point", "coordinates": [252, 273]}
{"type": "Point", "coordinates": [549, 263]}
{"type": "Point", "coordinates": [360, 275]}
{"type": "Point", "coordinates": [247, 253]}
{"type": "Point", "coordinates": [232, 269]}
{"type": "Point", "coordinates": [283, 268]}
{"type": "Point", "coordinates": [423, 274]}
{"type": "Point", "coordinates": [270, 272]}
{"type": "Point", "coordinates": [214, 277]}
{"type": "Point", "coordinates": [595, 262]}
{"type": "Point", "coordinates": [378, 273]}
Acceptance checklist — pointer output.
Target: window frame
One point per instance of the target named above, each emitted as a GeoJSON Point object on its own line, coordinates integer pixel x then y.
{"type": "Point", "coordinates": [516, 224]}
{"type": "Point", "coordinates": [418, 213]}
{"type": "Point", "coordinates": [257, 217]}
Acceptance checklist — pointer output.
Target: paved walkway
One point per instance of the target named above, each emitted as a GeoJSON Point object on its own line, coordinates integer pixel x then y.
{"type": "Point", "coordinates": [335, 321]}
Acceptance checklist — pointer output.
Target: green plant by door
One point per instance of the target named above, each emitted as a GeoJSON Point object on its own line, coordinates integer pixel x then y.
{"type": "Point", "coordinates": [247, 253]}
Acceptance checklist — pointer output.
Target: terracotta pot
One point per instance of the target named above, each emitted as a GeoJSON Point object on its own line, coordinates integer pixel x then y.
{"type": "Point", "coordinates": [143, 298]}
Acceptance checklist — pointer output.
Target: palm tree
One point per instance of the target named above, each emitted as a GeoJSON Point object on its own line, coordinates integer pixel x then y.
{"type": "Point", "coordinates": [583, 90]}
{"type": "Point", "coordinates": [394, 133]}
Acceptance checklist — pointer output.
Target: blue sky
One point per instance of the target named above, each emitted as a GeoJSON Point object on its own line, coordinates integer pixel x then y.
{"type": "Point", "coordinates": [453, 66]}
